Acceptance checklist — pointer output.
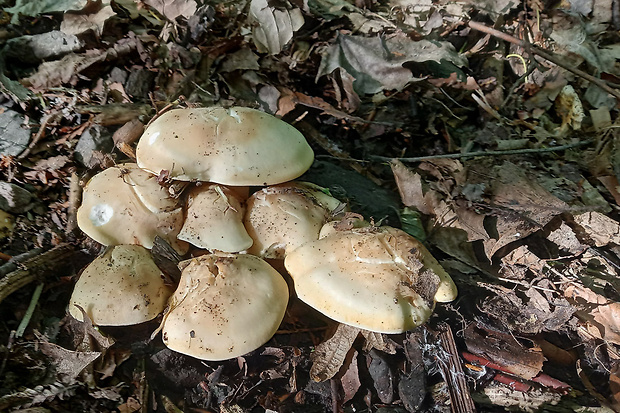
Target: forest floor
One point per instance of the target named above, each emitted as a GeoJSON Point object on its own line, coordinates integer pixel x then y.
{"type": "Point", "coordinates": [487, 130]}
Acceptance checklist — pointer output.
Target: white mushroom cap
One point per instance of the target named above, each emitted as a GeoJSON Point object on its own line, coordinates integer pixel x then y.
{"type": "Point", "coordinates": [225, 306]}
{"type": "Point", "coordinates": [126, 205]}
{"type": "Point", "coordinates": [214, 219]}
{"type": "Point", "coordinates": [121, 287]}
{"type": "Point", "coordinates": [375, 278]}
{"type": "Point", "coordinates": [282, 217]}
{"type": "Point", "coordinates": [236, 146]}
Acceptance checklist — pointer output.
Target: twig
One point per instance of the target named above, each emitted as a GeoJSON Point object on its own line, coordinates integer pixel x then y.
{"type": "Point", "coordinates": [486, 153]}
{"type": "Point", "coordinates": [453, 374]}
{"type": "Point", "coordinates": [36, 268]}
{"type": "Point", "coordinates": [30, 311]}
{"type": "Point", "coordinates": [545, 55]}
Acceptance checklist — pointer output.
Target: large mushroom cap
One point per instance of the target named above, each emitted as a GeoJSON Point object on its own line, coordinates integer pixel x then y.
{"type": "Point", "coordinates": [214, 219]}
{"type": "Point", "coordinates": [236, 146]}
{"type": "Point", "coordinates": [126, 205]}
{"type": "Point", "coordinates": [225, 306]}
{"type": "Point", "coordinates": [282, 217]}
{"type": "Point", "coordinates": [378, 279]}
{"type": "Point", "coordinates": [121, 287]}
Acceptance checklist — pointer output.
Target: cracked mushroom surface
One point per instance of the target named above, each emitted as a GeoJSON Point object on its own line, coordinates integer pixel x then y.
{"type": "Point", "coordinates": [376, 278]}
{"type": "Point", "coordinates": [226, 305]}
{"type": "Point", "coordinates": [121, 287]}
{"type": "Point", "coordinates": [214, 219]}
{"type": "Point", "coordinates": [282, 217]}
{"type": "Point", "coordinates": [235, 146]}
{"type": "Point", "coordinates": [126, 205]}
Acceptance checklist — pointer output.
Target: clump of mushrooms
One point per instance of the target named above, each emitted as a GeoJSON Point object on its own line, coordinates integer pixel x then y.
{"type": "Point", "coordinates": [230, 301]}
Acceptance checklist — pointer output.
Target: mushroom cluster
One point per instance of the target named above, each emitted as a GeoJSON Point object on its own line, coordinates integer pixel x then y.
{"type": "Point", "coordinates": [240, 206]}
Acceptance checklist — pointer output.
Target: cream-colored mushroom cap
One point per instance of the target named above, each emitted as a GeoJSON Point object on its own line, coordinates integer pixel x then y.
{"type": "Point", "coordinates": [375, 278]}
{"type": "Point", "coordinates": [225, 306]}
{"type": "Point", "coordinates": [121, 287]}
{"type": "Point", "coordinates": [214, 219]}
{"type": "Point", "coordinates": [235, 146]}
{"type": "Point", "coordinates": [126, 205]}
{"type": "Point", "coordinates": [282, 217]}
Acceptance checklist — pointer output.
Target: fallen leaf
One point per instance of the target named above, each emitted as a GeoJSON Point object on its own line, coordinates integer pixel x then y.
{"type": "Point", "coordinates": [599, 228]}
{"type": "Point", "coordinates": [74, 24]}
{"type": "Point", "coordinates": [350, 379]}
{"type": "Point", "coordinates": [171, 9]}
{"type": "Point", "coordinates": [63, 71]}
{"type": "Point", "coordinates": [274, 26]}
{"type": "Point", "coordinates": [329, 356]}
{"type": "Point", "coordinates": [68, 363]}
{"type": "Point", "coordinates": [34, 8]}
{"type": "Point", "coordinates": [376, 63]}
{"type": "Point", "coordinates": [601, 317]}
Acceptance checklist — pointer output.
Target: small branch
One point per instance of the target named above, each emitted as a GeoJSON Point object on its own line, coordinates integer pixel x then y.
{"type": "Point", "coordinates": [36, 268]}
{"type": "Point", "coordinates": [545, 55]}
{"type": "Point", "coordinates": [486, 153]}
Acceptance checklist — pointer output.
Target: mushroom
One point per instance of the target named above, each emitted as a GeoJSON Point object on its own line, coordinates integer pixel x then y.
{"type": "Point", "coordinates": [214, 219]}
{"type": "Point", "coordinates": [376, 278]}
{"type": "Point", "coordinates": [235, 146]}
{"type": "Point", "coordinates": [282, 217]}
{"type": "Point", "coordinates": [126, 205]}
{"type": "Point", "coordinates": [121, 287]}
{"type": "Point", "coordinates": [226, 305]}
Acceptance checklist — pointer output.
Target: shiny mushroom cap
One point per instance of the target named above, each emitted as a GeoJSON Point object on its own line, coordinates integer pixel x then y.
{"type": "Point", "coordinates": [214, 219]}
{"type": "Point", "coordinates": [225, 306]}
{"type": "Point", "coordinates": [235, 146]}
{"type": "Point", "coordinates": [282, 217]}
{"type": "Point", "coordinates": [121, 287]}
{"type": "Point", "coordinates": [126, 205]}
{"type": "Point", "coordinates": [375, 278]}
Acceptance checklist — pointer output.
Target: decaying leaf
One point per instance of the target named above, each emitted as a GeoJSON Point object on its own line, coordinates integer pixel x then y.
{"type": "Point", "coordinates": [171, 9]}
{"type": "Point", "coordinates": [274, 26]}
{"type": "Point", "coordinates": [601, 229]}
{"type": "Point", "coordinates": [600, 316]}
{"type": "Point", "coordinates": [376, 63]}
{"type": "Point", "coordinates": [69, 364]}
{"type": "Point", "coordinates": [73, 23]}
{"type": "Point", "coordinates": [34, 8]}
{"type": "Point", "coordinates": [329, 356]}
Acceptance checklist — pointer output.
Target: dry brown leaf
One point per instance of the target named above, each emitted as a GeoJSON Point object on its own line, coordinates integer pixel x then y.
{"type": "Point", "coordinates": [614, 385]}
{"type": "Point", "coordinates": [412, 192]}
{"type": "Point", "coordinates": [171, 9]}
{"type": "Point", "coordinates": [69, 364]}
{"type": "Point", "coordinates": [289, 100]}
{"type": "Point", "coordinates": [329, 356]}
{"type": "Point", "coordinates": [63, 71]}
{"type": "Point", "coordinates": [74, 23]}
{"type": "Point", "coordinates": [601, 317]}
{"type": "Point", "coordinates": [350, 379]}
{"type": "Point", "coordinates": [601, 229]}
{"type": "Point", "coordinates": [565, 238]}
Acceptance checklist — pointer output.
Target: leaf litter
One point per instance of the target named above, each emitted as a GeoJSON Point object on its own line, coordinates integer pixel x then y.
{"type": "Point", "coordinates": [531, 238]}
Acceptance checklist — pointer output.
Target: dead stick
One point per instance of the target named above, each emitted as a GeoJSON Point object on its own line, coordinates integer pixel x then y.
{"type": "Point", "coordinates": [35, 268]}
{"type": "Point", "coordinates": [545, 55]}
{"type": "Point", "coordinates": [486, 153]}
